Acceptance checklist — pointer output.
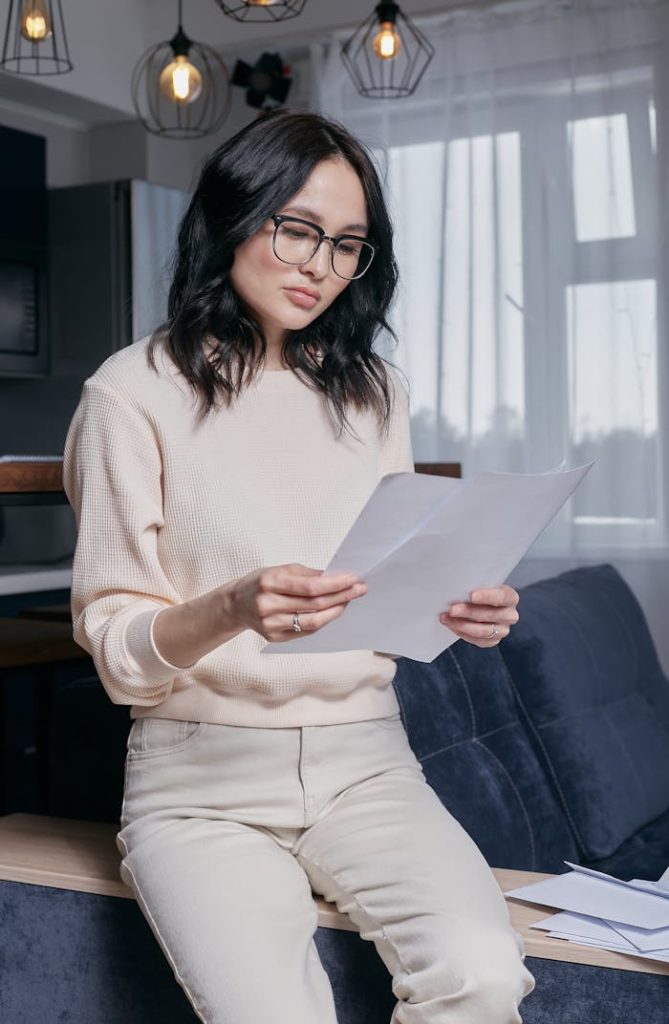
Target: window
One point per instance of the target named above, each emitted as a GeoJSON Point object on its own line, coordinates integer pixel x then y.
{"type": "Point", "coordinates": [527, 238]}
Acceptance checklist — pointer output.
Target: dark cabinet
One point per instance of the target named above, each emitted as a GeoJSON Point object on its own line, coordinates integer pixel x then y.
{"type": "Point", "coordinates": [23, 255]}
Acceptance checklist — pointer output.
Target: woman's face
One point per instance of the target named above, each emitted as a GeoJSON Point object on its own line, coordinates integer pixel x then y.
{"type": "Point", "coordinates": [332, 197]}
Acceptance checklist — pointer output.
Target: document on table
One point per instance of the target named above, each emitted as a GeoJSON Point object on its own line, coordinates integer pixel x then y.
{"type": "Point", "coordinates": [590, 931]}
{"type": "Point", "coordinates": [600, 910]}
{"type": "Point", "coordinates": [423, 542]}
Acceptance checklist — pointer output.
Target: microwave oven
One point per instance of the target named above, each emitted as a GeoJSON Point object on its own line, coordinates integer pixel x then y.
{"type": "Point", "coordinates": [23, 311]}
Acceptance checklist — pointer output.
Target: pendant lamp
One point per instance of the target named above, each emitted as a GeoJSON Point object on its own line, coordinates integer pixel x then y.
{"type": "Point", "coordinates": [181, 89]}
{"type": "Point", "coordinates": [262, 10]}
{"type": "Point", "coordinates": [35, 42]}
{"type": "Point", "coordinates": [387, 55]}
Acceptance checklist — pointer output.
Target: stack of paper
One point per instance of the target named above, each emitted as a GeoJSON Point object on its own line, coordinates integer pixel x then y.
{"type": "Point", "coordinates": [602, 911]}
{"type": "Point", "coordinates": [423, 542]}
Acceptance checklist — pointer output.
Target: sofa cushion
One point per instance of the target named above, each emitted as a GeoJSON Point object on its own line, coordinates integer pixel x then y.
{"type": "Point", "coordinates": [462, 723]}
{"type": "Point", "coordinates": [76, 957]}
{"type": "Point", "coordinates": [596, 702]}
{"type": "Point", "coordinates": [644, 855]}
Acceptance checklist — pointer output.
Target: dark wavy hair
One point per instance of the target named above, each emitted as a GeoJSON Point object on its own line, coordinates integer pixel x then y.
{"type": "Point", "coordinates": [242, 183]}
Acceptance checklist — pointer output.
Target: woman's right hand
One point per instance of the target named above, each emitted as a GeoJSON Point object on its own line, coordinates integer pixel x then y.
{"type": "Point", "coordinates": [267, 599]}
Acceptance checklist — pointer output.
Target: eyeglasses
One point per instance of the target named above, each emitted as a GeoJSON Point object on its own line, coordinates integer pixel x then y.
{"type": "Point", "coordinates": [296, 241]}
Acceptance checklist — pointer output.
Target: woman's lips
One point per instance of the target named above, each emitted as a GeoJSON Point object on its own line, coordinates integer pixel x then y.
{"type": "Point", "coordinates": [302, 299]}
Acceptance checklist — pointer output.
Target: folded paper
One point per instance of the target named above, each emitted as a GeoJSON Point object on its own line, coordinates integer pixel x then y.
{"type": "Point", "coordinates": [422, 543]}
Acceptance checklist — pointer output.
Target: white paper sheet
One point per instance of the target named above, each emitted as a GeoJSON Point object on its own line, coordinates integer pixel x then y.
{"type": "Point", "coordinates": [582, 892]}
{"type": "Point", "coordinates": [646, 940]}
{"type": "Point", "coordinates": [579, 927]}
{"type": "Point", "coordinates": [422, 543]}
{"type": "Point", "coordinates": [662, 957]}
{"type": "Point", "coordinates": [643, 940]}
{"type": "Point", "coordinates": [656, 888]}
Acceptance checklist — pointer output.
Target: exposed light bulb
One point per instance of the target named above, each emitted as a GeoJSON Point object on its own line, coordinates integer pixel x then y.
{"type": "Point", "coordinates": [35, 21]}
{"type": "Point", "coordinates": [387, 42]}
{"type": "Point", "coordinates": [180, 81]}
{"type": "Point", "coordinates": [261, 3]}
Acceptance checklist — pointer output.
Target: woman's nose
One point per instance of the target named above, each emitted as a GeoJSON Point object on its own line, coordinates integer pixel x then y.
{"type": "Point", "coordinates": [319, 264]}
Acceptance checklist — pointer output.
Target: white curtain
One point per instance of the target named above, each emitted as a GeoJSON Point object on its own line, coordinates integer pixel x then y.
{"type": "Point", "coordinates": [527, 180]}
{"type": "Point", "coordinates": [156, 215]}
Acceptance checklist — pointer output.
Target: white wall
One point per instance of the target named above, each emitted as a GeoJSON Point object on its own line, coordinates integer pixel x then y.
{"type": "Point", "coordinates": [68, 142]}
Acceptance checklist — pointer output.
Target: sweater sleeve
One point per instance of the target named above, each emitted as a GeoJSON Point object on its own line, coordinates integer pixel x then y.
{"type": "Point", "coordinates": [112, 478]}
{"type": "Point", "coordinates": [396, 450]}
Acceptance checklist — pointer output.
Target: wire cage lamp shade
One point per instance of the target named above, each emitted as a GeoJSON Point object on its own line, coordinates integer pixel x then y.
{"type": "Point", "coordinates": [35, 42]}
{"type": "Point", "coordinates": [261, 10]}
{"type": "Point", "coordinates": [181, 89]}
{"type": "Point", "coordinates": [387, 54]}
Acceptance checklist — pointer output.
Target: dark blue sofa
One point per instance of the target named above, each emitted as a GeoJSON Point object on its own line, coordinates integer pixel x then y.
{"type": "Point", "coordinates": [552, 746]}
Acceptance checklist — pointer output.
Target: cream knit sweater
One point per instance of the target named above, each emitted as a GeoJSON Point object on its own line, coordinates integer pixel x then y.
{"type": "Point", "coordinates": [168, 510]}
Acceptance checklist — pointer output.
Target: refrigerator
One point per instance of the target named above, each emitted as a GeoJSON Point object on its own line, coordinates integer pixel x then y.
{"type": "Point", "coordinates": [110, 252]}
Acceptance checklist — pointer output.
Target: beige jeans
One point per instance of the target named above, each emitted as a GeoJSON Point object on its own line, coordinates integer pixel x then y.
{"type": "Point", "coordinates": [226, 830]}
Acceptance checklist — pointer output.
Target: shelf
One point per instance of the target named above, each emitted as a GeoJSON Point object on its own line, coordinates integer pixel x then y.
{"type": "Point", "coordinates": [32, 483]}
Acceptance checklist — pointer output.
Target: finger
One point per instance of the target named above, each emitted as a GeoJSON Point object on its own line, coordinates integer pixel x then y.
{"type": "Point", "coordinates": [300, 580]}
{"type": "Point", "coordinates": [478, 631]}
{"type": "Point", "coordinates": [479, 613]}
{"type": "Point", "coordinates": [282, 603]}
{"type": "Point", "coordinates": [282, 625]}
{"type": "Point", "coordinates": [498, 597]}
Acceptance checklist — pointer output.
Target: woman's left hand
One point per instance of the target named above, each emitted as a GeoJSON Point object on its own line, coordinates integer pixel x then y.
{"type": "Point", "coordinates": [472, 621]}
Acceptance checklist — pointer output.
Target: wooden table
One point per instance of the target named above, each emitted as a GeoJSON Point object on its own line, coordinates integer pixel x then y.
{"type": "Point", "coordinates": [25, 642]}
{"type": "Point", "coordinates": [82, 855]}
{"type": "Point", "coordinates": [32, 483]}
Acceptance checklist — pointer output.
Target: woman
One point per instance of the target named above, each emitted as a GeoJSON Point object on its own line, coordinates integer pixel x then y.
{"type": "Point", "coordinates": [214, 470]}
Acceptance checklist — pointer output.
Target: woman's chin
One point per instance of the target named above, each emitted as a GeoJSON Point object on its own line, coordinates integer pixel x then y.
{"type": "Point", "coordinates": [295, 320]}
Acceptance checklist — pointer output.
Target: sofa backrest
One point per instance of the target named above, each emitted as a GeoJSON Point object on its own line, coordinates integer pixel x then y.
{"type": "Point", "coordinates": [462, 723]}
{"type": "Point", "coordinates": [595, 703]}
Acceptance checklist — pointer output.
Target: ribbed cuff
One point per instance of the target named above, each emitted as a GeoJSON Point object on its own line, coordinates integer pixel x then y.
{"type": "Point", "coordinates": [141, 648]}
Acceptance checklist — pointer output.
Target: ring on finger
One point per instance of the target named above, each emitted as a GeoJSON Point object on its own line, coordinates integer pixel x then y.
{"type": "Point", "coordinates": [296, 623]}
{"type": "Point", "coordinates": [494, 630]}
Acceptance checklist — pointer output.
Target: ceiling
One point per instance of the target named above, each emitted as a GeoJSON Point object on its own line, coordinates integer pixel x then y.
{"type": "Point", "coordinates": [106, 40]}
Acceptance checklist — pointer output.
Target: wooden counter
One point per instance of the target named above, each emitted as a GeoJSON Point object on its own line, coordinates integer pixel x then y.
{"type": "Point", "coordinates": [82, 855]}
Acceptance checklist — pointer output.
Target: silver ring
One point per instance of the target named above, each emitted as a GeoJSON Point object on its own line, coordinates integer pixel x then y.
{"type": "Point", "coordinates": [296, 623]}
{"type": "Point", "coordinates": [494, 631]}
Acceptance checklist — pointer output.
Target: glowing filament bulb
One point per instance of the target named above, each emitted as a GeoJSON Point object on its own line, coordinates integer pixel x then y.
{"type": "Point", "coordinates": [35, 22]}
{"type": "Point", "coordinates": [387, 41]}
{"type": "Point", "coordinates": [180, 81]}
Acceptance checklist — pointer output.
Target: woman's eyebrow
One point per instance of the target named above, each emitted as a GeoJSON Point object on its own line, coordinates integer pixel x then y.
{"type": "Point", "coordinates": [316, 217]}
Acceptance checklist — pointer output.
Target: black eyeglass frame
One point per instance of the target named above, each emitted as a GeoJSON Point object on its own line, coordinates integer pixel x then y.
{"type": "Point", "coordinates": [279, 219]}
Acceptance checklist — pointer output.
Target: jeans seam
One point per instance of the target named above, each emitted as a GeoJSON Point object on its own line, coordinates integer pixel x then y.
{"type": "Point", "coordinates": [354, 897]}
{"type": "Point", "coordinates": [170, 958]}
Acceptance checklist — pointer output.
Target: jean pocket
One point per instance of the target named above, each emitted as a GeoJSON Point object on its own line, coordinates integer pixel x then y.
{"type": "Point", "coordinates": [155, 737]}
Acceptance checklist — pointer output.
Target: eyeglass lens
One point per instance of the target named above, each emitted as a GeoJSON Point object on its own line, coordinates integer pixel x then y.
{"type": "Point", "coordinates": [297, 243]}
